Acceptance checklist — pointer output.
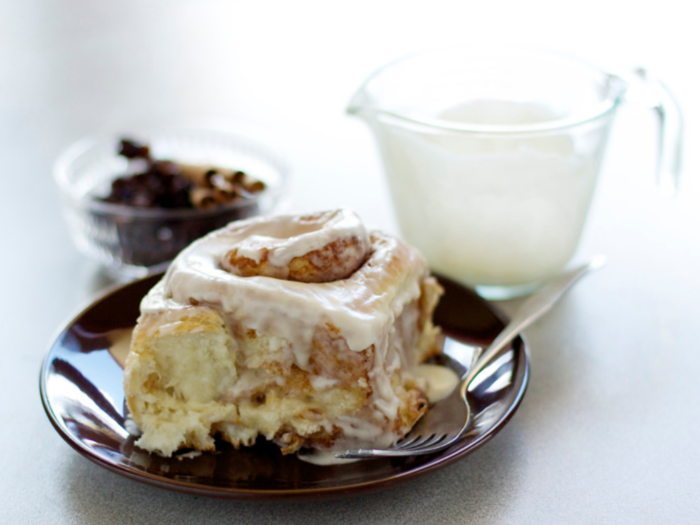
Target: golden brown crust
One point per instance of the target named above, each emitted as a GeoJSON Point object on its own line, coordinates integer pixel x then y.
{"type": "Point", "coordinates": [413, 407]}
{"type": "Point", "coordinates": [322, 266]}
{"type": "Point", "coordinates": [431, 338]}
{"type": "Point", "coordinates": [331, 357]}
{"type": "Point", "coordinates": [327, 264]}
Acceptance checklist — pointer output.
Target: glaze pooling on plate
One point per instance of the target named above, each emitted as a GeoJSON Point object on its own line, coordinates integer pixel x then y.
{"type": "Point", "coordinates": [83, 397]}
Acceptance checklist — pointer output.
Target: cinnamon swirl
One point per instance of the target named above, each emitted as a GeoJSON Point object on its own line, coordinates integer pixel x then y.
{"type": "Point", "coordinates": [301, 329]}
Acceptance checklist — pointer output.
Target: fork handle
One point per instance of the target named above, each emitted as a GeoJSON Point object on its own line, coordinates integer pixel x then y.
{"type": "Point", "coordinates": [531, 310]}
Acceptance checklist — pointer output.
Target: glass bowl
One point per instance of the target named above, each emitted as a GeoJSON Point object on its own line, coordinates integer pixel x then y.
{"type": "Point", "coordinates": [134, 242]}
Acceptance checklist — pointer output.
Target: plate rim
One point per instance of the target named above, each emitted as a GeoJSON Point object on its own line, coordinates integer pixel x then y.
{"type": "Point", "coordinates": [245, 494]}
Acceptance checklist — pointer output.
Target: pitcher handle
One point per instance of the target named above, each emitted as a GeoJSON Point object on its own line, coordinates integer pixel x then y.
{"type": "Point", "coordinates": [671, 133]}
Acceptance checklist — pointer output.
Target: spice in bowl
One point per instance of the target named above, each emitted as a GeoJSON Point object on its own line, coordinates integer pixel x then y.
{"type": "Point", "coordinates": [174, 185]}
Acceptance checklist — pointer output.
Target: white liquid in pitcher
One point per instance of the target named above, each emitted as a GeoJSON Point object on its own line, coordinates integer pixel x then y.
{"type": "Point", "coordinates": [486, 210]}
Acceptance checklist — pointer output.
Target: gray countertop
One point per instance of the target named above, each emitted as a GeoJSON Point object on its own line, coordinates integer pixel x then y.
{"type": "Point", "coordinates": [608, 431]}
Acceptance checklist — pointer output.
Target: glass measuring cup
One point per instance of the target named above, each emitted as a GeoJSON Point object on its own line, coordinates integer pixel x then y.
{"type": "Point", "coordinates": [492, 156]}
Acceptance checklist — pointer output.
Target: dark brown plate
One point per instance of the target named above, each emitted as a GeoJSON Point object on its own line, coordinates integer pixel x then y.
{"type": "Point", "coordinates": [81, 389]}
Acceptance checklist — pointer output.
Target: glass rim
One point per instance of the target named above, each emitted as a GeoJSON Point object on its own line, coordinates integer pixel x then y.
{"type": "Point", "coordinates": [606, 107]}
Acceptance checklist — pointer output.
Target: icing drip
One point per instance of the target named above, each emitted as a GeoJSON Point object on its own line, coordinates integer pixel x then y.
{"type": "Point", "coordinates": [360, 306]}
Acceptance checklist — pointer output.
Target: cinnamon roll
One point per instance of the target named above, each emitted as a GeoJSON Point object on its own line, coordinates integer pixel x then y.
{"type": "Point", "coordinates": [303, 329]}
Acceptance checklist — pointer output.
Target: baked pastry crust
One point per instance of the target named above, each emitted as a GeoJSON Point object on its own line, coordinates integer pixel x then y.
{"type": "Point", "coordinates": [228, 345]}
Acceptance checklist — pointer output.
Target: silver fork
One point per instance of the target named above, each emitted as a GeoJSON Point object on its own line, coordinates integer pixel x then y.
{"type": "Point", "coordinates": [448, 420]}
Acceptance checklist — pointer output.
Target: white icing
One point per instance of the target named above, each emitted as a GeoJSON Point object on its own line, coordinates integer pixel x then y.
{"type": "Point", "coordinates": [120, 341]}
{"type": "Point", "coordinates": [285, 238]}
{"type": "Point", "coordinates": [360, 429]}
{"type": "Point", "coordinates": [361, 306]}
{"type": "Point", "coordinates": [321, 382]}
{"type": "Point", "coordinates": [441, 380]}
{"type": "Point", "coordinates": [249, 381]}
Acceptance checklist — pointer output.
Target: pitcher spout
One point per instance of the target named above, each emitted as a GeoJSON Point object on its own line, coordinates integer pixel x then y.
{"type": "Point", "coordinates": [359, 104]}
